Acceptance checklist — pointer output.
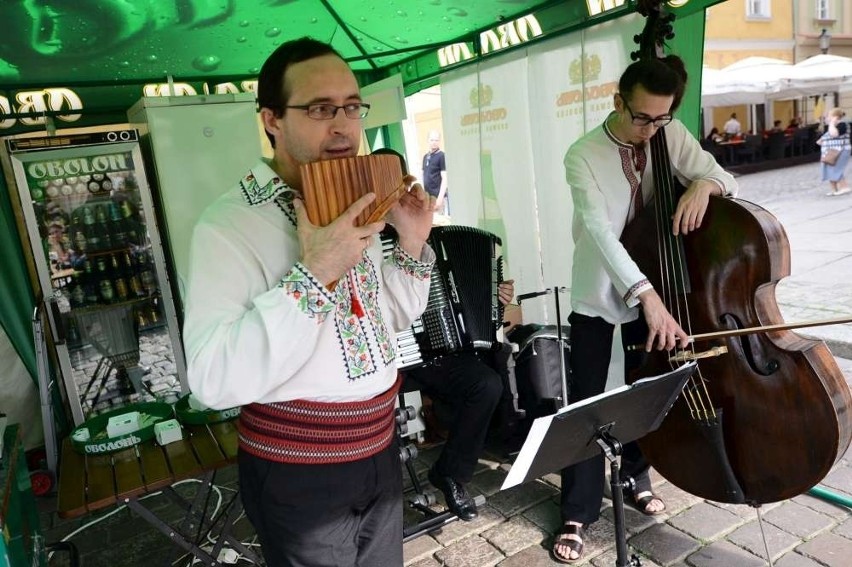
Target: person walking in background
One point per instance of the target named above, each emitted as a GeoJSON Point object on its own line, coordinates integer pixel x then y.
{"type": "Point", "coordinates": [834, 152]}
{"type": "Point", "coordinates": [297, 324]}
{"type": "Point", "coordinates": [732, 127]}
{"type": "Point", "coordinates": [435, 172]}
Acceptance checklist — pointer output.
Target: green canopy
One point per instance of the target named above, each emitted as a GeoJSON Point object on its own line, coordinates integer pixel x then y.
{"type": "Point", "coordinates": [103, 41]}
{"type": "Point", "coordinates": [105, 51]}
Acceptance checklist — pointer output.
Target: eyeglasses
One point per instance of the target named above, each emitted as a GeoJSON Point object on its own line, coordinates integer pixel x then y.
{"type": "Point", "coordinates": [658, 122]}
{"type": "Point", "coordinates": [323, 111]}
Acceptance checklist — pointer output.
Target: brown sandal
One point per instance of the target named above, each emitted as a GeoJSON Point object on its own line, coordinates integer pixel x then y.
{"type": "Point", "coordinates": [574, 546]}
{"type": "Point", "coordinates": [641, 504]}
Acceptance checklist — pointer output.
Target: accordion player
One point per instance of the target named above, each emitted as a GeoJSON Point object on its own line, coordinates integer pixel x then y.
{"type": "Point", "coordinates": [464, 310]}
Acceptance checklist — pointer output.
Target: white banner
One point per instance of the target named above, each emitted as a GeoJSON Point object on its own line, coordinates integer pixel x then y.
{"type": "Point", "coordinates": [507, 125]}
{"type": "Point", "coordinates": [486, 123]}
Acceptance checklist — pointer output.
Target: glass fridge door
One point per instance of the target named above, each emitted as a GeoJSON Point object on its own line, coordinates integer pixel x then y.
{"type": "Point", "coordinates": [100, 264]}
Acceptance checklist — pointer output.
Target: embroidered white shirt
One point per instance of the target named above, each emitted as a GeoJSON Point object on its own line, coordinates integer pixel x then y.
{"type": "Point", "coordinates": [260, 328]}
{"type": "Point", "coordinates": [606, 282]}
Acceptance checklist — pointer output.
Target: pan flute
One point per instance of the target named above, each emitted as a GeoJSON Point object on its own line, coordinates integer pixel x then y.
{"type": "Point", "coordinates": [329, 187]}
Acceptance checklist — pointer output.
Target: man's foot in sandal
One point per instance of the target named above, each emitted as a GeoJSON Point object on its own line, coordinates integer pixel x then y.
{"type": "Point", "coordinates": [647, 503]}
{"type": "Point", "coordinates": [568, 543]}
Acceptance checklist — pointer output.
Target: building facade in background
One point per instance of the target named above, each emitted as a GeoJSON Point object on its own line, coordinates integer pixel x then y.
{"type": "Point", "coordinates": [789, 30]}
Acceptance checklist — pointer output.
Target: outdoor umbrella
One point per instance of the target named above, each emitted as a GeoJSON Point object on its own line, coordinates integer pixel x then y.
{"type": "Point", "coordinates": [817, 75]}
{"type": "Point", "coordinates": [749, 81]}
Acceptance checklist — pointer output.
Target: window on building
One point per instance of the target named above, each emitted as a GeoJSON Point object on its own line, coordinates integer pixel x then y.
{"type": "Point", "coordinates": [823, 10]}
{"type": "Point", "coordinates": [757, 8]}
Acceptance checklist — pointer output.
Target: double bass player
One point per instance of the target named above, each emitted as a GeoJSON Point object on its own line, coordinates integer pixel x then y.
{"type": "Point", "coordinates": [609, 171]}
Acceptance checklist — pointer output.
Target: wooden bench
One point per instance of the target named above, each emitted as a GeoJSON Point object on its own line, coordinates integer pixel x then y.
{"type": "Point", "coordinates": [88, 483]}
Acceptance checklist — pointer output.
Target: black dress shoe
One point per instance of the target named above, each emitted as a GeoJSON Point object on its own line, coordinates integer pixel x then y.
{"type": "Point", "coordinates": [458, 500]}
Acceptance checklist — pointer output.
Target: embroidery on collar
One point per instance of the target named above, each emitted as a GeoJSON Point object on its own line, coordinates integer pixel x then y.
{"type": "Point", "coordinates": [285, 203]}
{"type": "Point", "coordinates": [257, 194]}
{"type": "Point", "coordinates": [611, 136]}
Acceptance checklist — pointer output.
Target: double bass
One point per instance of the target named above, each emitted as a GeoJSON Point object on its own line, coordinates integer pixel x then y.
{"type": "Point", "coordinates": [766, 420]}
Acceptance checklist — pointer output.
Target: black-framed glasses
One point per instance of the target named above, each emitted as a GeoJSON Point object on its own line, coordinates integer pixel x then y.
{"type": "Point", "coordinates": [325, 111]}
{"type": "Point", "coordinates": [645, 120]}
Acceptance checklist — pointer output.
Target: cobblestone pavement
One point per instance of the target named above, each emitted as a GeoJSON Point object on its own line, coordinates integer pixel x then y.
{"type": "Point", "coordinates": [514, 526]}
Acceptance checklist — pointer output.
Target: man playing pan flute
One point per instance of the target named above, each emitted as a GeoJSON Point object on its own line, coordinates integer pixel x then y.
{"type": "Point", "coordinates": [296, 323]}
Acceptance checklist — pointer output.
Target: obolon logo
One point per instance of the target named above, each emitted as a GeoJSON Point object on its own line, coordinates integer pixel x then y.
{"type": "Point", "coordinates": [480, 98]}
{"type": "Point", "coordinates": [583, 72]}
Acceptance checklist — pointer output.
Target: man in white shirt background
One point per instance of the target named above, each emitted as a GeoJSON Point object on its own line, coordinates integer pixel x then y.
{"type": "Point", "coordinates": [732, 126]}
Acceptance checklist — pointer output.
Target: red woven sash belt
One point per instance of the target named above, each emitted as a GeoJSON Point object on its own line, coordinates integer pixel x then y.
{"type": "Point", "coordinates": [313, 433]}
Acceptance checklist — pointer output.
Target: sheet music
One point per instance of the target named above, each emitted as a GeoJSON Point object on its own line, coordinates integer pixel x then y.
{"type": "Point", "coordinates": [540, 427]}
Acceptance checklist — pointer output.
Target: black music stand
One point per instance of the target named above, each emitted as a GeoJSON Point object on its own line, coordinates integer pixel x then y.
{"type": "Point", "coordinates": [602, 423]}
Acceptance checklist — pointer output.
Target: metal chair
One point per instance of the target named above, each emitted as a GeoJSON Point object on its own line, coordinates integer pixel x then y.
{"type": "Point", "coordinates": [752, 149]}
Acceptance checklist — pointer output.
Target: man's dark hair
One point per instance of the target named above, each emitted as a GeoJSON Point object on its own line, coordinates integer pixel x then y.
{"type": "Point", "coordinates": [271, 89]}
{"type": "Point", "coordinates": [666, 76]}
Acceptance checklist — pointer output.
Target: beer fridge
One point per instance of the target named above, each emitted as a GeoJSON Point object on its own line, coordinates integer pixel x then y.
{"type": "Point", "coordinates": [96, 258]}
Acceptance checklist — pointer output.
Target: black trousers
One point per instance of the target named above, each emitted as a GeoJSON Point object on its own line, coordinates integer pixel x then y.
{"type": "Point", "coordinates": [473, 389]}
{"type": "Point", "coordinates": [591, 346]}
{"type": "Point", "coordinates": [340, 515]}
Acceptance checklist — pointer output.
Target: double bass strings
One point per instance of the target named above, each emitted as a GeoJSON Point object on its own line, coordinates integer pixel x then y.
{"type": "Point", "coordinates": [673, 271]}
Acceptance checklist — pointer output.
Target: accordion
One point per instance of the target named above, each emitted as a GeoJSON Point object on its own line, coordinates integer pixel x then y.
{"type": "Point", "coordinates": [464, 309]}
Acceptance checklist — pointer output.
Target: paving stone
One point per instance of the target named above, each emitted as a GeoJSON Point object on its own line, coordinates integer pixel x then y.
{"type": "Point", "coordinates": [488, 517]}
{"type": "Point", "coordinates": [664, 544]}
{"type": "Point", "coordinates": [750, 537]}
{"type": "Point", "coordinates": [793, 559]}
{"type": "Point", "coordinates": [610, 558]}
{"type": "Point", "coordinates": [428, 562]}
{"type": "Point", "coordinates": [724, 554]}
{"type": "Point", "coordinates": [634, 521]}
{"type": "Point", "coordinates": [742, 510]}
{"type": "Point", "coordinates": [600, 537]}
{"type": "Point", "coordinates": [553, 479]}
{"type": "Point", "coordinates": [828, 549]}
{"type": "Point", "coordinates": [533, 556]}
{"type": "Point", "coordinates": [514, 535]}
{"type": "Point", "coordinates": [488, 482]}
{"type": "Point", "coordinates": [545, 515]}
{"type": "Point", "coordinates": [419, 548]}
{"type": "Point", "coordinates": [676, 500]}
{"type": "Point", "coordinates": [824, 507]}
{"type": "Point", "coordinates": [844, 529]}
{"type": "Point", "coordinates": [706, 522]}
{"type": "Point", "coordinates": [839, 480]}
{"type": "Point", "coordinates": [799, 520]}
{"type": "Point", "coordinates": [510, 502]}
{"type": "Point", "coordinates": [471, 551]}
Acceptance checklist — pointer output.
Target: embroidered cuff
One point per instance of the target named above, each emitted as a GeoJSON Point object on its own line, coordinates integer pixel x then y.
{"type": "Point", "coordinates": [309, 294]}
{"type": "Point", "coordinates": [631, 298]}
{"type": "Point", "coordinates": [411, 266]}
